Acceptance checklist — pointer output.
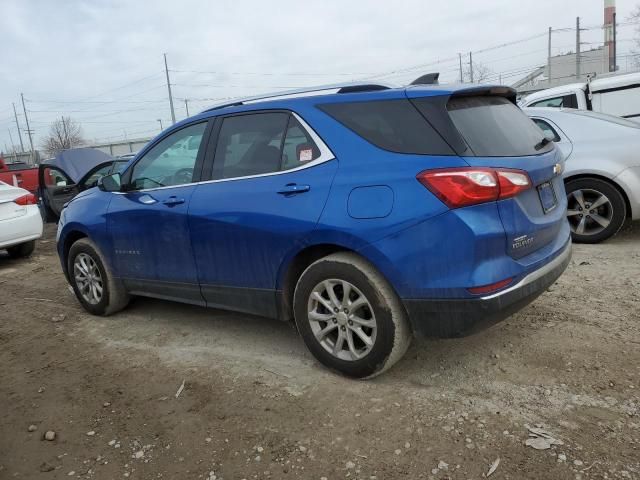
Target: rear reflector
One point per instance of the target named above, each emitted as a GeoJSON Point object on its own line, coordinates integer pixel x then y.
{"type": "Point", "coordinates": [28, 199]}
{"type": "Point", "coordinates": [490, 288]}
{"type": "Point", "coordinates": [461, 187]}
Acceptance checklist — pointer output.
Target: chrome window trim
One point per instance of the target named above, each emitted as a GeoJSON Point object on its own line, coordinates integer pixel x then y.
{"type": "Point", "coordinates": [326, 155]}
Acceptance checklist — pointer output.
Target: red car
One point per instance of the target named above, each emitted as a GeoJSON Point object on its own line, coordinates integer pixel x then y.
{"type": "Point", "coordinates": [19, 175]}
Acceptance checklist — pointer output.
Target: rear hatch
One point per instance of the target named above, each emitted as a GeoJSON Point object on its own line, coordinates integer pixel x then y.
{"type": "Point", "coordinates": [487, 129]}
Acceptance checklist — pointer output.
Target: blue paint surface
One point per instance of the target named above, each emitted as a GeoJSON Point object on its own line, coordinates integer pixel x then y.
{"type": "Point", "coordinates": [242, 233]}
{"type": "Point", "coordinates": [370, 202]}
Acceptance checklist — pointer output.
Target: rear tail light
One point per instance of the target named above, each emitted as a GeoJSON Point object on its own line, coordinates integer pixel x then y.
{"type": "Point", "coordinates": [490, 288]}
{"type": "Point", "coordinates": [28, 199]}
{"type": "Point", "coordinates": [461, 187]}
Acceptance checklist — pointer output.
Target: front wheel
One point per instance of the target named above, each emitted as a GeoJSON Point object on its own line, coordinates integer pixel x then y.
{"type": "Point", "coordinates": [94, 285]}
{"type": "Point", "coordinates": [596, 210]}
{"type": "Point", "coordinates": [349, 316]}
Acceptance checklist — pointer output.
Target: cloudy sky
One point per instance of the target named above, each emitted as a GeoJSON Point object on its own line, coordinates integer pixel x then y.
{"type": "Point", "coordinates": [100, 62]}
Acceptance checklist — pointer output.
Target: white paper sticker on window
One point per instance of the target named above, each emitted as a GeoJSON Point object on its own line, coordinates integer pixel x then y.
{"type": "Point", "coordinates": [306, 155]}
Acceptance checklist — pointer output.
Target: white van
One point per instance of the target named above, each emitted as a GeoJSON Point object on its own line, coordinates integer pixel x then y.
{"type": "Point", "coordinates": [616, 95]}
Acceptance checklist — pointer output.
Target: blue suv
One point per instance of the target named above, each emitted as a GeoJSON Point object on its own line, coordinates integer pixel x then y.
{"type": "Point", "coordinates": [363, 213]}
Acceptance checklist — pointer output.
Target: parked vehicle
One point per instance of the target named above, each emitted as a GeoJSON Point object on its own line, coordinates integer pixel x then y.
{"type": "Point", "coordinates": [602, 174]}
{"type": "Point", "coordinates": [617, 95]}
{"type": "Point", "coordinates": [20, 221]}
{"type": "Point", "coordinates": [364, 213]}
{"type": "Point", "coordinates": [69, 173]}
{"type": "Point", "coordinates": [19, 174]}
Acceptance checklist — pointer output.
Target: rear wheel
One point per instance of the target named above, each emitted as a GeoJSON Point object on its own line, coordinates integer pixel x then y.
{"type": "Point", "coordinates": [596, 210]}
{"type": "Point", "coordinates": [349, 316]}
{"type": "Point", "coordinates": [23, 250]}
{"type": "Point", "coordinates": [94, 285]}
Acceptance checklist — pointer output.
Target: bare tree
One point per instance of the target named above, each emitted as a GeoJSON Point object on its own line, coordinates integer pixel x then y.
{"type": "Point", "coordinates": [481, 73]}
{"type": "Point", "coordinates": [64, 134]}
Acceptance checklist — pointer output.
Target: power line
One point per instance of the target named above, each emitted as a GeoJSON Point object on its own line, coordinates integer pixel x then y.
{"type": "Point", "coordinates": [272, 74]}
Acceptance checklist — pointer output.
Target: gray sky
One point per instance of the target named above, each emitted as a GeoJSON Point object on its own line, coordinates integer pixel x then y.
{"type": "Point", "coordinates": [100, 62]}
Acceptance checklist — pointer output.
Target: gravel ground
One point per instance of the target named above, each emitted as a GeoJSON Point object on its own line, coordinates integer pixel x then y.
{"type": "Point", "coordinates": [564, 373]}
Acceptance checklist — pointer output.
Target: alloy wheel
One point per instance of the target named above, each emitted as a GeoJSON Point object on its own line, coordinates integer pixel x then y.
{"type": "Point", "coordinates": [589, 211]}
{"type": "Point", "coordinates": [88, 278]}
{"type": "Point", "coordinates": [342, 319]}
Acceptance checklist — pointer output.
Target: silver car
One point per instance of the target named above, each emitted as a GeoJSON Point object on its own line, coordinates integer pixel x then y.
{"type": "Point", "coordinates": [602, 173]}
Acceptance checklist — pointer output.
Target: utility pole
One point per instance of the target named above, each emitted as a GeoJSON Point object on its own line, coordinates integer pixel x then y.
{"type": "Point", "coordinates": [461, 77]}
{"type": "Point", "coordinates": [26, 119]}
{"type": "Point", "coordinates": [13, 147]}
{"type": "Point", "coordinates": [186, 106]}
{"type": "Point", "coordinates": [18, 127]}
{"type": "Point", "coordinates": [577, 48]}
{"type": "Point", "coordinates": [166, 71]}
{"type": "Point", "coordinates": [160, 121]}
{"type": "Point", "coordinates": [615, 44]}
{"type": "Point", "coordinates": [549, 59]}
{"type": "Point", "coordinates": [471, 66]}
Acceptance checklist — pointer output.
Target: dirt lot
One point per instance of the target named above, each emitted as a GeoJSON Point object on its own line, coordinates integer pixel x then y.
{"type": "Point", "coordinates": [256, 405]}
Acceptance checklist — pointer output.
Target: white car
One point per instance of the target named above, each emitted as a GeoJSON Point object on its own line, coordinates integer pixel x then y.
{"type": "Point", "coordinates": [20, 221]}
{"type": "Point", "coordinates": [602, 172]}
{"type": "Point", "coordinates": [617, 95]}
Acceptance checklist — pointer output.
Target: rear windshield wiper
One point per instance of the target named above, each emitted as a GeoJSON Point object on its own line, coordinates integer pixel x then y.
{"type": "Point", "coordinates": [542, 143]}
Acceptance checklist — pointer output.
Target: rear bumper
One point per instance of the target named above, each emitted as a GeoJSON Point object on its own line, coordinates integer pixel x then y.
{"type": "Point", "coordinates": [629, 180]}
{"type": "Point", "coordinates": [21, 229]}
{"type": "Point", "coordinates": [448, 318]}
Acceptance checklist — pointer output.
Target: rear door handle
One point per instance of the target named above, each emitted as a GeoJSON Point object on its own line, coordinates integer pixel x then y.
{"type": "Point", "coordinates": [173, 201]}
{"type": "Point", "coordinates": [293, 189]}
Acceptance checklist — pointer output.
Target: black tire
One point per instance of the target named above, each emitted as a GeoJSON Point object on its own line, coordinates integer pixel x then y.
{"type": "Point", "coordinates": [23, 250]}
{"type": "Point", "coordinates": [393, 334]}
{"type": "Point", "coordinates": [114, 296]}
{"type": "Point", "coordinates": [615, 209]}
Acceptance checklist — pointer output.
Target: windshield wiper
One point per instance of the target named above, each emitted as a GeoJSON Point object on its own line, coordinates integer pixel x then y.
{"type": "Point", "coordinates": [541, 143]}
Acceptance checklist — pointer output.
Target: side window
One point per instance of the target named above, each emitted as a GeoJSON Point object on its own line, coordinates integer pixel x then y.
{"type": "Point", "coordinates": [570, 101]}
{"type": "Point", "coordinates": [250, 145]}
{"type": "Point", "coordinates": [549, 102]}
{"type": "Point", "coordinates": [56, 178]}
{"type": "Point", "coordinates": [566, 101]}
{"type": "Point", "coordinates": [92, 181]}
{"type": "Point", "coordinates": [393, 125]}
{"type": "Point", "coordinates": [546, 128]}
{"type": "Point", "coordinates": [299, 148]}
{"type": "Point", "coordinates": [172, 161]}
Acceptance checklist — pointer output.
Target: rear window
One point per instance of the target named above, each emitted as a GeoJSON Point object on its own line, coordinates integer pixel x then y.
{"type": "Point", "coordinates": [495, 127]}
{"type": "Point", "coordinates": [393, 125]}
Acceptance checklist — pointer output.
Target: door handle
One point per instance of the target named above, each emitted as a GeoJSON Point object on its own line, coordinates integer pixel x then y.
{"type": "Point", "coordinates": [293, 189]}
{"type": "Point", "coordinates": [173, 201]}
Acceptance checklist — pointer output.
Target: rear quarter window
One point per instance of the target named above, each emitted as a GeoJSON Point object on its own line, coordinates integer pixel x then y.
{"type": "Point", "coordinates": [494, 127]}
{"type": "Point", "coordinates": [393, 125]}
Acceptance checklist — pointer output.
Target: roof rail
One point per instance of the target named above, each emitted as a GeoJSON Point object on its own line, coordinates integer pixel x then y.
{"type": "Point", "coordinates": [349, 87]}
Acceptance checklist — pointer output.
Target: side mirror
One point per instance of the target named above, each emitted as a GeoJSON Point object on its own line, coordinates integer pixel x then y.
{"type": "Point", "coordinates": [110, 183]}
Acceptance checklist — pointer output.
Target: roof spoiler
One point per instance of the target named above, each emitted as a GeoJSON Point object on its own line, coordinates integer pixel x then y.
{"type": "Point", "coordinates": [495, 91]}
{"type": "Point", "coordinates": [427, 79]}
